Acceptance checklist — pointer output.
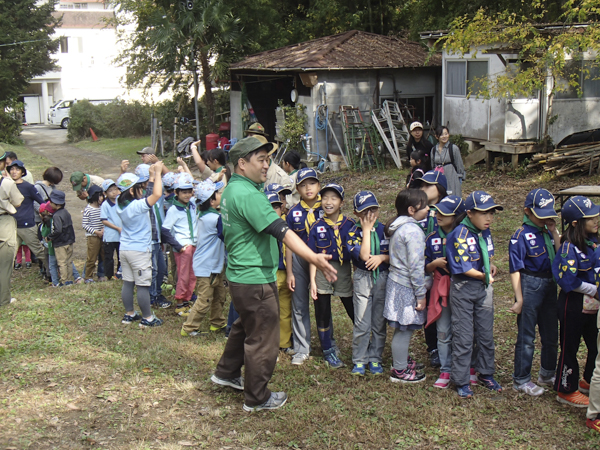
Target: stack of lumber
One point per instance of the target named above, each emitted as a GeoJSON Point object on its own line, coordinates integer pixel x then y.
{"type": "Point", "coordinates": [570, 159]}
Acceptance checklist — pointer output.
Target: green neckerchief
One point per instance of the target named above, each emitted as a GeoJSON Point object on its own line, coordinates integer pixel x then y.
{"type": "Point", "coordinates": [157, 215]}
{"type": "Point", "coordinates": [545, 233]}
{"type": "Point", "coordinates": [430, 220]}
{"type": "Point", "coordinates": [293, 172]}
{"type": "Point", "coordinates": [219, 169]}
{"type": "Point", "coordinates": [209, 210]}
{"type": "Point", "coordinates": [375, 249]}
{"type": "Point", "coordinates": [442, 234]}
{"type": "Point", "coordinates": [591, 244]}
{"type": "Point", "coordinates": [189, 216]}
{"type": "Point", "coordinates": [482, 248]}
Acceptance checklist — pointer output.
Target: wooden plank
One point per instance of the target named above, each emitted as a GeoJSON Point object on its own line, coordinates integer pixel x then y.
{"type": "Point", "coordinates": [474, 157]}
{"type": "Point", "coordinates": [581, 190]}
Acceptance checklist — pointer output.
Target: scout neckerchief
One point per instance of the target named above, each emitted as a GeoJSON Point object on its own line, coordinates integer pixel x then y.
{"type": "Point", "coordinates": [282, 245]}
{"type": "Point", "coordinates": [158, 218]}
{"type": "Point", "coordinates": [219, 169]}
{"type": "Point", "coordinates": [442, 234]}
{"type": "Point", "coordinates": [547, 240]}
{"type": "Point", "coordinates": [293, 172]}
{"type": "Point", "coordinates": [431, 220]}
{"type": "Point", "coordinates": [336, 232]}
{"type": "Point", "coordinates": [375, 249]}
{"type": "Point", "coordinates": [483, 248]}
{"type": "Point", "coordinates": [310, 212]}
{"type": "Point", "coordinates": [209, 210]}
{"type": "Point", "coordinates": [189, 216]}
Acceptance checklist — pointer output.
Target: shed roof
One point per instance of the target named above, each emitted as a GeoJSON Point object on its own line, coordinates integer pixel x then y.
{"type": "Point", "coordinates": [349, 50]}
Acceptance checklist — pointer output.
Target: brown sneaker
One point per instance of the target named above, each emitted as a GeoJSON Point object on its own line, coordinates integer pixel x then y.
{"type": "Point", "coordinates": [576, 399]}
{"type": "Point", "coordinates": [584, 387]}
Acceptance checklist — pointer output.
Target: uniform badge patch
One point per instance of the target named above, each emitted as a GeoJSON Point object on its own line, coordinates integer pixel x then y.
{"type": "Point", "coordinates": [436, 241]}
{"type": "Point", "coordinates": [321, 230]}
{"type": "Point", "coordinates": [471, 241]}
{"type": "Point", "coordinates": [571, 262]}
{"type": "Point", "coordinates": [465, 258]}
{"type": "Point", "coordinates": [297, 213]}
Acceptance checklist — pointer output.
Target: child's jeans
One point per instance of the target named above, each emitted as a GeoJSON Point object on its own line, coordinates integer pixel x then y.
{"type": "Point", "coordinates": [211, 297]}
{"type": "Point", "coordinates": [27, 253]}
{"type": "Point", "coordinates": [159, 270]}
{"type": "Point", "coordinates": [186, 280]}
{"type": "Point", "coordinates": [444, 338]}
{"type": "Point", "coordinates": [539, 307]}
{"type": "Point", "coordinates": [110, 248]}
{"type": "Point", "coordinates": [95, 252]}
{"type": "Point", "coordinates": [285, 310]}
{"type": "Point", "coordinates": [54, 271]}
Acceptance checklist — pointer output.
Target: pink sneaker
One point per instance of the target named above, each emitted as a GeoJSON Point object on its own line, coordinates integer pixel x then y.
{"type": "Point", "coordinates": [443, 381]}
{"type": "Point", "coordinates": [473, 377]}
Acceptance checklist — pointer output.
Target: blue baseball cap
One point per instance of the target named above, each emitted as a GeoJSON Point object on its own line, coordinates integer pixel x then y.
{"type": "Point", "coordinates": [333, 187]}
{"type": "Point", "coordinates": [481, 201]}
{"type": "Point", "coordinates": [106, 184]}
{"type": "Point", "coordinates": [434, 177]}
{"type": "Point", "coordinates": [93, 190]}
{"type": "Point", "coordinates": [305, 174]}
{"type": "Point", "coordinates": [18, 163]}
{"type": "Point", "coordinates": [205, 189]}
{"type": "Point", "coordinates": [184, 181]}
{"type": "Point", "coordinates": [276, 187]}
{"type": "Point", "coordinates": [126, 181]}
{"type": "Point", "coordinates": [365, 200]}
{"type": "Point", "coordinates": [451, 205]}
{"type": "Point", "coordinates": [579, 207]}
{"type": "Point", "coordinates": [57, 197]}
{"type": "Point", "coordinates": [169, 179]}
{"type": "Point", "coordinates": [143, 172]}
{"type": "Point", "coordinates": [273, 197]}
{"type": "Point", "coordinates": [541, 203]}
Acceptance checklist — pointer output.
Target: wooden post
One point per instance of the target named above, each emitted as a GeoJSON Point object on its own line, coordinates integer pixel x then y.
{"type": "Point", "coordinates": [515, 160]}
{"type": "Point", "coordinates": [152, 130]}
{"type": "Point", "coordinates": [175, 136]}
{"type": "Point", "coordinates": [162, 144]}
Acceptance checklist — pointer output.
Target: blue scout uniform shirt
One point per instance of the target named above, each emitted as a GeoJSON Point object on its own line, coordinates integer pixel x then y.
{"type": "Point", "coordinates": [596, 264]}
{"type": "Point", "coordinates": [527, 250]}
{"type": "Point", "coordinates": [462, 250]}
{"type": "Point", "coordinates": [296, 220]}
{"type": "Point", "coordinates": [572, 266]}
{"type": "Point", "coordinates": [430, 218]}
{"type": "Point", "coordinates": [177, 223]}
{"type": "Point", "coordinates": [321, 239]}
{"type": "Point", "coordinates": [354, 243]}
{"type": "Point", "coordinates": [136, 230]}
{"type": "Point", "coordinates": [280, 246]}
{"type": "Point", "coordinates": [108, 211]}
{"type": "Point", "coordinates": [434, 248]}
{"type": "Point", "coordinates": [209, 257]}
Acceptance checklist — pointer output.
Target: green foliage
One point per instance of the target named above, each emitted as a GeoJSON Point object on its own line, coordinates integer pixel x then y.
{"type": "Point", "coordinates": [457, 139]}
{"type": "Point", "coordinates": [10, 122]}
{"type": "Point", "coordinates": [294, 125]}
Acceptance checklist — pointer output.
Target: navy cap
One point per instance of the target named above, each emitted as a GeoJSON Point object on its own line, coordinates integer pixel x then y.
{"type": "Point", "coordinates": [276, 187]}
{"type": "Point", "coordinates": [481, 201]}
{"type": "Point", "coordinates": [333, 187]}
{"type": "Point", "coordinates": [451, 205]}
{"type": "Point", "coordinates": [541, 203]}
{"type": "Point", "coordinates": [305, 174]}
{"type": "Point", "coordinates": [579, 207]}
{"type": "Point", "coordinates": [57, 197]}
{"type": "Point", "coordinates": [19, 164]}
{"type": "Point", "coordinates": [365, 200]}
{"type": "Point", "coordinates": [93, 190]}
{"type": "Point", "coordinates": [434, 177]}
{"type": "Point", "coordinates": [273, 197]}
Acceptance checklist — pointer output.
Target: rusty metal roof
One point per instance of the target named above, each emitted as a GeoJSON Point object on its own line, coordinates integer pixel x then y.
{"type": "Point", "coordinates": [350, 50]}
{"type": "Point", "coordinates": [85, 19]}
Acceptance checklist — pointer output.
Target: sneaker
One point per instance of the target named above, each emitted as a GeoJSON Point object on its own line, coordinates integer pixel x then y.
{"type": "Point", "coordinates": [332, 360]}
{"type": "Point", "coordinates": [79, 280]}
{"type": "Point", "coordinates": [576, 399]}
{"type": "Point", "coordinates": [58, 285]}
{"type": "Point", "coordinates": [337, 351]}
{"type": "Point", "coordinates": [218, 329]}
{"type": "Point", "coordinates": [358, 369]}
{"type": "Point", "coordinates": [161, 302]}
{"type": "Point", "coordinates": [414, 365]}
{"type": "Point", "coordinates": [275, 401]}
{"type": "Point", "coordinates": [584, 387]}
{"type": "Point", "coordinates": [102, 279]}
{"type": "Point", "coordinates": [127, 319]}
{"type": "Point", "coordinates": [593, 424]}
{"type": "Point", "coordinates": [473, 377]}
{"type": "Point", "coordinates": [183, 310]}
{"type": "Point", "coordinates": [443, 381]}
{"type": "Point", "coordinates": [119, 276]}
{"type": "Point", "coordinates": [529, 388]}
{"type": "Point", "coordinates": [375, 368]}
{"type": "Point", "coordinates": [193, 299]}
{"type": "Point", "coordinates": [18, 266]}
{"type": "Point", "coordinates": [236, 383]}
{"type": "Point", "coordinates": [287, 351]}
{"type": "Point", "coordinates": [28, 265]}
{"type": "Point", "coordinates": [464, 391]}
{"type": "Point", "coordinates": [68, 283]}
{"type": "Point", "coordinates": [489, 382]}
{"type": "Point", "coordinates": [541, 381]}
{"type": "Point", "coordinates": [153, 322]}
{"type": "Point", "coordinates": [407, 375]}
{"type": "Point", "coordinates": [194, 333]}
{"type": "Point", "coordinates": [299, 358]}
{"type": "Point", "coordinates": [434, 358]}
{"type": "Point", "coordinates": [89, 280]}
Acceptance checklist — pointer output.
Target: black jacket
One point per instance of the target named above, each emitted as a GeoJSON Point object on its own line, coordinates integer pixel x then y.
{"type": "Point", "coordinates": [62, 233]}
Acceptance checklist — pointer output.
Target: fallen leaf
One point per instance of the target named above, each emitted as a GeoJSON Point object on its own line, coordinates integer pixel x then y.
{"type": "Point", "coordinates": [147, 370]}
{"type": "Point", "coordinates": [186, 443]}
{"type": "Point", "coordinates": [90, 441]}
{"type": "Point", "coordinates": [111, 399]}
{"type": "Point", "coordinates": [73, 407]}
{"type": "Point", "coordinates": [52, 385]}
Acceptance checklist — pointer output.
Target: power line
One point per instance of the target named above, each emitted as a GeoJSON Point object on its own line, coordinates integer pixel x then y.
{"type": "Point", "coordinates": [22, 42]}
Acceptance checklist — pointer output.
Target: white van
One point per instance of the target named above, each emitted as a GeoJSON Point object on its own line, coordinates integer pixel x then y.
{"type": "Point", "coordinates": [58, 114]}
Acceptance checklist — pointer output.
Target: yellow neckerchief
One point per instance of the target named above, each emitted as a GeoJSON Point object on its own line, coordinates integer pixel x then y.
{"type": "Point", "coordinates": [283, 217]}
{"type": "Point", "coordinates": [336, 232]}
{"type": "Point", "coordinates": [310, 216]}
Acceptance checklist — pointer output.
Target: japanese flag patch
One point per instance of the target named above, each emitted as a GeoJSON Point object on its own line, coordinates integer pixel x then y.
{"type": "Point", "coordinates": [471, 241]}
{"type": "Point", "coordinates": [320, 229]}
{"type": "Point", "coordinates": [297, 213]}
{"type": "Point", "coordinates": [529, 236]}
{"type": "Point", "coordinates": [436, 241]}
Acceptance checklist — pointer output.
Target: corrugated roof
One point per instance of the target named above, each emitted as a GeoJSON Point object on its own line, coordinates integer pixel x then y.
{"type": "Point", "coordinates": [85, 18]}
{"type": "Point", "coordinates": [350, 50]}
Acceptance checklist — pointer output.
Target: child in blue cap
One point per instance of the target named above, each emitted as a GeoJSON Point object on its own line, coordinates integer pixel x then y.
{"type": "Point", "coordinates": [329, 235]}
{"type": "Point", "coordinates": [531, 250]}
{"type": "Point", "coordinates": [469, 250]}
{"type": "Point", "coordinates": [449, 213]}
{"type": "Point", "coordinates": [573, 271]}
{"type": "Point", "coordinates": [369, 248]}
{"type": "Point", "coordinates": [94, 233]}
{"type": "Point", "coordinates": [112, 229]}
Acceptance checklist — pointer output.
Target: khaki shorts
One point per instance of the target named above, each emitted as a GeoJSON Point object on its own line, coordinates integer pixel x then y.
{"type": "Point", "coordinates": [343, 286]}
{"type": "Point", "coordinates": [136, 267]}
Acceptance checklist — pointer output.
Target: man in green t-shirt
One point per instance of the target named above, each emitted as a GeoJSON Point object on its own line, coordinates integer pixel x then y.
{"type": "Point", "coordinates": [251, 229]}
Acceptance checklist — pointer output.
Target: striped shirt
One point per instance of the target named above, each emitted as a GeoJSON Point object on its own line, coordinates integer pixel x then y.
{"type": "Point", "coordinates": [91, 220]}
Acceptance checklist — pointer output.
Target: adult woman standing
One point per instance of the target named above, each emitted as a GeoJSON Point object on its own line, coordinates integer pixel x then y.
{"type": "Point", "coordinates": [416, 141]}
{"type": "Point", "coordinates": [446, 158]}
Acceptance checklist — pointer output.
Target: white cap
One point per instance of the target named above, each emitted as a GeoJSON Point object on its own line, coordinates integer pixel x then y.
{"type": "Point", "coordinates": [416, 125]}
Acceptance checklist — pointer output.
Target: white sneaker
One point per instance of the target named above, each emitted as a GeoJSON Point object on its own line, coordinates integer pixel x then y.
{"type": "Point", "coordinates": [299, 358]}
{"type": "Point", "coordinates": [12, 300]}
{"type": "Point", "coordinates": [546, 381]}
{"type": "Point", "coordinates": [529, 388]}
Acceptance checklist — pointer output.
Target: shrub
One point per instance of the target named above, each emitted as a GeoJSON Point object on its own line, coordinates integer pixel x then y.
{"type": "Point", "coordinates": [10, 123]}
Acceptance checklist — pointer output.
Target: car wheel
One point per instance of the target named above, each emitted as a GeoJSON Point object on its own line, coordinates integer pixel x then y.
{"type": "Point", "coordinates": [65, 122]}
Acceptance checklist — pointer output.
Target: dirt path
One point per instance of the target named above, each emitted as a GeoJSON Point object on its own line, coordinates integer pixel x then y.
{"type": "Point", "coordinates": [51, 143]}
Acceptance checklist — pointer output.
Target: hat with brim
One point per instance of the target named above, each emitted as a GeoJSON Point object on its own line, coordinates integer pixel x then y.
{"type": "Point", "coordinates": [143, 172]}
{"type": "Point", "coordinates": [433, 177]}
{"type": "Point", "coordinates": [481, 201]}
{"type": "Point", "coordinates": [256, 128]}
{"type": "Point", "coordinates": [19, 164]}
{"type": "Point", "coordinates": [204, 190]}
{"type": "Point", "coordinates": [3, 155]}
{"type": "Point", "coordinates": [339, 190]}
{"type": "Point", "coordinates": [146, 151]}
{"type": "Point", "coordinates": [365, 200]}
{"type": "Point", "coordinates": [246, 146]}
{"type": "Point", "coordinates": [416, 125]}
{"type": "Point", "coordinates": [274, 149]}
{"type": "Point", "coordinates": [126, 181]}
{"type": "Point", "coordinates": [451, 205]}
{"type": "Point", "coordinates": [184, 181]}
{"type": "Point", "coordinates": [541, 203]}
{"type": "Point", "coordinates": [276, 187]}
{"type": "Point", "coordinates": [579, 207]}
{"type": "Point", "coordinates": [273, 197]}
{"type": "Point", "coordinates": [305, 174]}
{"type": "Point", "coordinates": [93, 190]}
{"type": "Point", "coordinates": [77, 180]}
{"type": "Point", "coordinates": [57, 197]}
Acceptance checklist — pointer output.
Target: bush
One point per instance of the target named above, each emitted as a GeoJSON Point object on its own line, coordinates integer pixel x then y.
{"type": "Point", "coordinates": [10, 123]}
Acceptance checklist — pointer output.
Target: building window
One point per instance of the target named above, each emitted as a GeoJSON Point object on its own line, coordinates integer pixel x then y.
{"type": "Point", "coordinates": [66, 6]}
{"type": "Point", "coordinates": [80, 5]}
{"type": "Point", "coordinates": [64, 44]}
{"type": "Point", "coordinates": [465, 77]}
{"type": "Point", "coordinates": [587, 74]}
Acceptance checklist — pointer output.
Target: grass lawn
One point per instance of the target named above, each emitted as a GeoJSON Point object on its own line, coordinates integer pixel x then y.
{"type": "Point", "coordinates": [121, 148]}
{"type": "Point", "coordinates": [72, 376]}
{"type": "Point", "coordinates": [34, 163]}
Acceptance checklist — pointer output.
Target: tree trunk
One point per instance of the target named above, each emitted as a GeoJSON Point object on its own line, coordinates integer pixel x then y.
{"type": "Point", "coordinates": [546, 138]}
{"type": "Point", "coordinates": [209, 98]}
{"type": "Point", "coordinates": [196, 89]}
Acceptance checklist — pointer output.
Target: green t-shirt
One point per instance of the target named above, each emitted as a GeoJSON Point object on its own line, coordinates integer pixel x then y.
{"type": "Point", "coordinates": [45, 231]}
{"type": "Point", "coordinates": [253, 256]}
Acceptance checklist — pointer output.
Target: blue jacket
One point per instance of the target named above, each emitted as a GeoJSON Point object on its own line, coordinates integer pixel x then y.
{"type": "Point", "coordinates": [321, 239]}
{"type": "Point", "coordinates": [463, 252]}
{"type": "Point", "coordinates": [527, 250]}
{"type": "Point", "coordinates": [354, 244]}
{"type": "Point", "coordinates": [572, 266]}
{"type": "Point", "coordinates": [296, 220]}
